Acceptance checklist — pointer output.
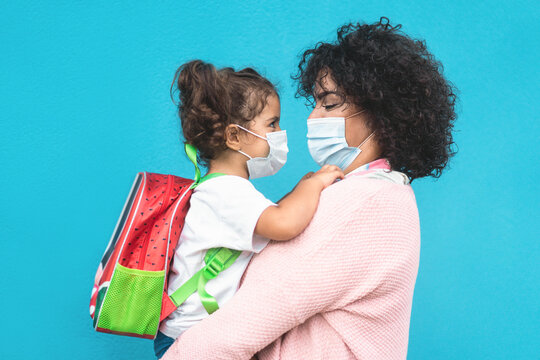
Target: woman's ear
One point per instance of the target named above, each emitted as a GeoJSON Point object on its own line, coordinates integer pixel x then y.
{"type": "Point", "coordinates": [232, 137]}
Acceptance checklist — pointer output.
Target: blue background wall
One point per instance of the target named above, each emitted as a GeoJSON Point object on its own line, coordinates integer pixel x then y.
{"type": "Point", "coordinates": [84, 105]}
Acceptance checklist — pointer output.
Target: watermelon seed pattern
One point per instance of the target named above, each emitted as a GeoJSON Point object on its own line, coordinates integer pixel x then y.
{"type": "Point", "coordinates": [143, 250]}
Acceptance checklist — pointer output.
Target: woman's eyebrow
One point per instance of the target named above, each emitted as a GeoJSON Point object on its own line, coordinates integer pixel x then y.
{"type": "Point", "coordinates": [322, 94]}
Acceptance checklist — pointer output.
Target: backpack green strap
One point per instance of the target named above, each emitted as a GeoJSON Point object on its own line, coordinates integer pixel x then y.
{"type": "Point", "coordinates": [210, 176]}
{"type": "Point", "coordinates": [191, 152]}
{"type": "Point", "coordinates": [217, 260]}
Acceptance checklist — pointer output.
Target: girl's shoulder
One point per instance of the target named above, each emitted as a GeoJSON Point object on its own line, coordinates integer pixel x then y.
{"type": "Point", "coordinates": [225, 183]}
{"type": "Point", "coordinates": [228, 191]}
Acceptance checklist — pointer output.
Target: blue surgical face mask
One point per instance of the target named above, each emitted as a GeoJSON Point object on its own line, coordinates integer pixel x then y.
{"type": "Point", "coordinates": [327, 144]}
{"type": "Point", "coordinates": [277, 157]}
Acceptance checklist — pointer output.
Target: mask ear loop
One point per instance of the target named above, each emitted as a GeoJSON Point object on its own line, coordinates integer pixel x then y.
{"type": "Point", "coordinates": [369, 137]}
{"type": "Point", "coordinates": [251, 132]}
{"type": "Point", "coordinates": [243, 153]}
{"type": "Point", "coordinates": [361, 111]}
{"type": "Point", "coordinates": [363, 142]}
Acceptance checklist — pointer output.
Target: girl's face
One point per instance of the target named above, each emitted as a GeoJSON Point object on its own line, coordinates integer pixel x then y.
{"type": "Point", "coordinates": [328, 103]}
{"type": "Point", "coordinates": [266, 122]}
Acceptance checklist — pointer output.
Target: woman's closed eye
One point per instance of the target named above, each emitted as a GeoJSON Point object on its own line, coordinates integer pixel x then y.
{"type": "Point", "coordinates": [329, 107]}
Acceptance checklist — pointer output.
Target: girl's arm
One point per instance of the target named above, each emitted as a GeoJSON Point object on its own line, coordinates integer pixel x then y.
{"type": "Point", "coordinates": [294, 212]}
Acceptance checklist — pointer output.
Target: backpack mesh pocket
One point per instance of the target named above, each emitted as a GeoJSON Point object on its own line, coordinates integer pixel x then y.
{"type": "Point", "coordinates": [133, 301]}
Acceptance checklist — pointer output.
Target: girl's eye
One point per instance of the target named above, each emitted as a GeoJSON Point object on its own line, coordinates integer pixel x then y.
{"type": "Point", "coordinates": [329, 107]}
{"type": "Point", "coordinates": [273, 124]}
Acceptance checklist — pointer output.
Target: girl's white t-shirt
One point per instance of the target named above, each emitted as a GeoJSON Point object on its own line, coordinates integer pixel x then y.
{"type": "Point", "coordinates": [223, 213]}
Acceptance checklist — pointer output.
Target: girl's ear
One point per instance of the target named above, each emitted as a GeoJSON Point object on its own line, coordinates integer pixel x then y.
{"type": "Point", "coordinates": [232, 137]}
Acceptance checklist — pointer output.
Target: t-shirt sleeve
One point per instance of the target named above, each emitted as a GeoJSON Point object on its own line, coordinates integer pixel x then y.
{"type": "Point", "coordinates": [239, 209]}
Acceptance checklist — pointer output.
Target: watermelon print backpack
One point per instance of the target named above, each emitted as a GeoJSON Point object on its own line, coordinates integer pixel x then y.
{"type": "Point", "coordinates": [129, 296]}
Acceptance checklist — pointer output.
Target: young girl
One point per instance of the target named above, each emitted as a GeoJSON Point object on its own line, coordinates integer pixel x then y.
{"type": "Point", "coordinates": [232, 118]}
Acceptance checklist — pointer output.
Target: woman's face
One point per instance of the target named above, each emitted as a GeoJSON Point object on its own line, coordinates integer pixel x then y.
{"type": "Point", "coordinates": [328, 103]}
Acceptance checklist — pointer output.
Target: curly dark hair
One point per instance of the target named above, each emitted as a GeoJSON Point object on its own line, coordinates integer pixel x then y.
{"type": "Point", "coordinates": [211, 99]}
{"type": "Point", "coordinates": [408, 102]}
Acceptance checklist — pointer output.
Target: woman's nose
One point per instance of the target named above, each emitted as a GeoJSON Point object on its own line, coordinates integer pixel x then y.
{"type": "Point", "coordinates": [315, 113]}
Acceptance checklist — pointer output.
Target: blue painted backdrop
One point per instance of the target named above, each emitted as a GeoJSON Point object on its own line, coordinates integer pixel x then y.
{"type": "Point", "coordinates": [84, 105]}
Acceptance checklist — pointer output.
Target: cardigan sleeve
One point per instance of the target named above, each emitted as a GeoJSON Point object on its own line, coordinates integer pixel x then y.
{"type": "Point", "coordinates": [362, 254]}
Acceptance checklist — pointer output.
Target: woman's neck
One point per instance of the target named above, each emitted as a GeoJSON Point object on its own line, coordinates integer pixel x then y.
{"type": "Point", "coordinates": [368, 154]}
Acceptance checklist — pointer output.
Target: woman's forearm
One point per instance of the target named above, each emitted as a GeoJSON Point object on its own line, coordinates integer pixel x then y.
{"type": "Point", "coordinates": [265, 307]}
{"type": "Point", "coordinates": [250, 321]}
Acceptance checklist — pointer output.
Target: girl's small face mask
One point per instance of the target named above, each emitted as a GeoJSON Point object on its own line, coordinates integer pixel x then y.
{"type": "Point", "coordinates": [277, 156]}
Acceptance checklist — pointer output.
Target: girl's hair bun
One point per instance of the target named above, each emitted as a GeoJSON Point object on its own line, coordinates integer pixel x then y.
{"type": "Point", "coordinates": [210, 99]}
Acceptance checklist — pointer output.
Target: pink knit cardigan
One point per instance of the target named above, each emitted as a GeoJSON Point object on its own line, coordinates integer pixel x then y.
{"type": "Point", "coordinates": [342, 289]}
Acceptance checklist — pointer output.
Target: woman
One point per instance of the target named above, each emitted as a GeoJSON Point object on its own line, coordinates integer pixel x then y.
{"type": "Point", "coordinates": [343, 288]}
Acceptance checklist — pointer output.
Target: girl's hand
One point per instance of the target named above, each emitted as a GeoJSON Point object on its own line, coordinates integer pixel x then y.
{"type": "Point", "coordinates": [294, 212]}
{"type": "Point", "coordinates": [327, 175]}
{"type": "Point", "coordinates": [307, 176]}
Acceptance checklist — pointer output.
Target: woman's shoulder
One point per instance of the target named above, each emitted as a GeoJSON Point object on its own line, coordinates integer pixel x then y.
{"type": "Point", "coordinates": [353, 215]}
{"type": "Point", "coordinates": [360, 190]}
{"type": "Point", "coordinates": [372, 213]}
